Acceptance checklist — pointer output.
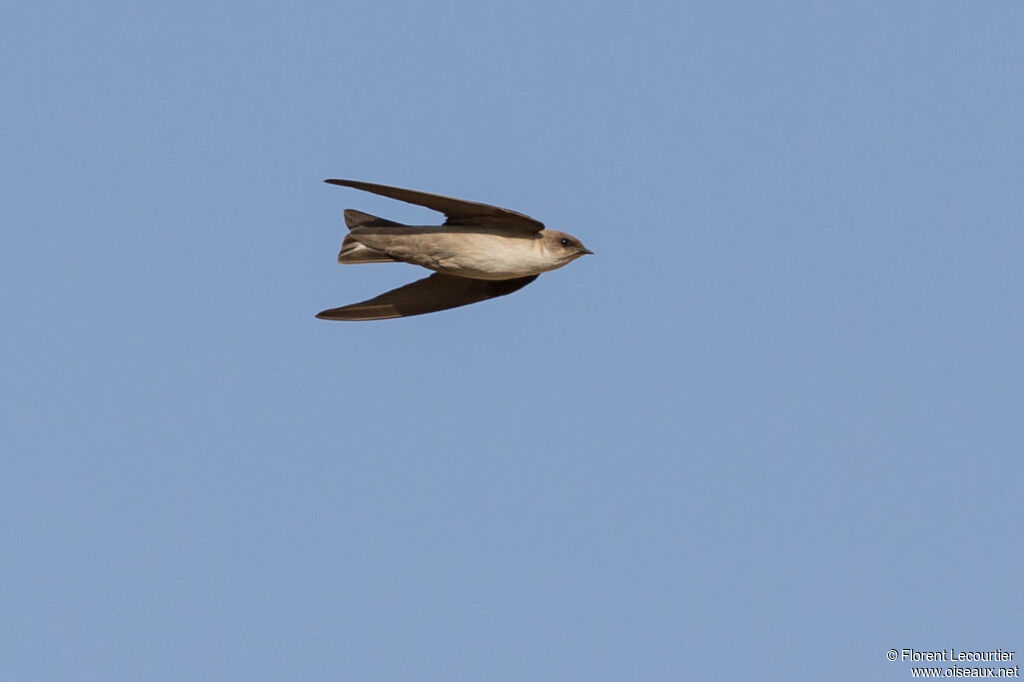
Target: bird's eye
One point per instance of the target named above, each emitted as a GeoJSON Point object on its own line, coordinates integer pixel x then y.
{"type": "Point", "coordinates": [565, 242]}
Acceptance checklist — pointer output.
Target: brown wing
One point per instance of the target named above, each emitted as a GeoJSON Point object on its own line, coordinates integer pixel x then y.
{"type": "Point", "coordinates": [428, 295]}
{"type": "Point", "coordinates": [458, 211]}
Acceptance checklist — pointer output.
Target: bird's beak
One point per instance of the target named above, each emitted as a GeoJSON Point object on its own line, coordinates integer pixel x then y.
{"type": "Point", "coordinates": [588, 251]}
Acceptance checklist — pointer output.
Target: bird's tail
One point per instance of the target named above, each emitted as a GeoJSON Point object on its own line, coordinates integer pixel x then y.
{"type": "Point", "coordinates": [355, 219]}
{"type": "Point", "coordinates": [352, 252]}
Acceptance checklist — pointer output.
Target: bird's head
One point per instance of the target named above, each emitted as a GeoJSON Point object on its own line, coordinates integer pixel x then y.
{"type": "Point", "coordinates": [562, 246]}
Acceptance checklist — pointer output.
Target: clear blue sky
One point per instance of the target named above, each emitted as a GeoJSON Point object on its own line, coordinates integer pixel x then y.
{"type": "Point", "coordinates": [772, 429]}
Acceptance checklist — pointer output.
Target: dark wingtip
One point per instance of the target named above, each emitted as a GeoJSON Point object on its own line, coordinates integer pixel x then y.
{"type": "Point", "coordinates": [336, 181]}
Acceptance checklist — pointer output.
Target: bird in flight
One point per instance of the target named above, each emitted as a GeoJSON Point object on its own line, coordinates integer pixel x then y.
{"type": "Point", "coordinates": [480, 252]}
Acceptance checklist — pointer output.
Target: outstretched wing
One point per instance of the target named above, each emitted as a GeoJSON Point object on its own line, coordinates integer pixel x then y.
{"type": "Point", "coordinates": [458, 211]}
{"type": "Point", "coordinates": [427, 295]}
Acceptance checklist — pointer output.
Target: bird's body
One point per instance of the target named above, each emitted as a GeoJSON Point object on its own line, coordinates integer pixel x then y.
{"type": "Point", "coordinates": [477, 253]}
{"type": "Point", "coordinates": [480, 252]}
